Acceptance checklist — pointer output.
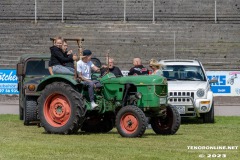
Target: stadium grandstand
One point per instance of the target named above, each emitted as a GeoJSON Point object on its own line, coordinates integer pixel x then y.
{"type": "Point", "coordinates": [207, 30]}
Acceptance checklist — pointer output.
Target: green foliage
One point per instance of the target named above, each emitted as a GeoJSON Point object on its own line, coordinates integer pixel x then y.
{"type": "Point", "coordinates": [30, 142]}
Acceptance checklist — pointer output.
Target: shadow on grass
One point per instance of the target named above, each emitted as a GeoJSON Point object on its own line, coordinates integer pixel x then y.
{"type": "Point", "coordinates": [187, 121]}
{"type": "Point", "coordinates": [83, 133]}
{"type": "Point", "coordinates": [184, 121]}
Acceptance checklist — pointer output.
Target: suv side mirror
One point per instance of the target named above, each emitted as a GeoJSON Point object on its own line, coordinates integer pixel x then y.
{"type": "Point", "coordinates": [213, 80]}
{"type": "Point", "coordinates": [20, 69]}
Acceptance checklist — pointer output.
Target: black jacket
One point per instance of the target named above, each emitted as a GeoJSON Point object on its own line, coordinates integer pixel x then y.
{"type": "Point", "coordinates": [115, 70]}
{"type": "Point", "coordinates": [58, 58]}
{"type": "Point", "coordinates": [68, 64]}
{"type": "Point", "coordinates": [138, 70]}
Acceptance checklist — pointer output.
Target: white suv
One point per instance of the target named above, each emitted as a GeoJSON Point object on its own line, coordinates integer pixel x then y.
{"type": "Point", "coordinates": [188, 88]}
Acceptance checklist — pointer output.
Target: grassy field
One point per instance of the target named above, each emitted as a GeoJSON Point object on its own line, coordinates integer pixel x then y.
{"type": "Point", "coordinates": [30, 142]}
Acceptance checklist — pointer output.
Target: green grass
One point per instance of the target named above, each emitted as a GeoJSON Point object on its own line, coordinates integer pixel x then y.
{"type": "Point", "coordinates": [30, 142]}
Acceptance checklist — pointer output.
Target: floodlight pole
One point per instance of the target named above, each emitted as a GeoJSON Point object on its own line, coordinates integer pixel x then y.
{"type": "Point", "coordinates": [153, 20]}
{"type": "Point", "coordinates": [124, 11]}
{"type": "Point", "coordinates": [62, 10]}
{"type": "Point", "coordinates": [35, 11]}
{"type": "Point", "coordinates": [215, 11]}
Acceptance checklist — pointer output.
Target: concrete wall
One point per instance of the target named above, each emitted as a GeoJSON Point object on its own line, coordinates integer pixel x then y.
{"type": "Point", "coordinates": [100, 22]}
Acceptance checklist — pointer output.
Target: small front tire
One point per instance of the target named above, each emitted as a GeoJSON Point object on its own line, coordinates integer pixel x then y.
{"type": "Point", "coordinates": [131, 122]}
{"type": "Point", "coordinates": [168, 124]}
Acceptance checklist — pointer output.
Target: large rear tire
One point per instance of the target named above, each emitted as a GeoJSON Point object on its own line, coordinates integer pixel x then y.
{"type": "Point", "coordinates": [209, 116]}
{"type": "Point", "coordinates": [168, 124]}
{"type": "Point", "coordinates": [61, 109]}
{"type": "Point", "coordinates": [131, 122]}
{"type": "Point", "coordinates": [30, 111]}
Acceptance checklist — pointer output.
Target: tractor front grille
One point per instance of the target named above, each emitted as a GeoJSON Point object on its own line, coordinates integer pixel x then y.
{"type": "Point", "coordinates": [189, 94]}
{"type": "Point", "coordinates": [161, 90]}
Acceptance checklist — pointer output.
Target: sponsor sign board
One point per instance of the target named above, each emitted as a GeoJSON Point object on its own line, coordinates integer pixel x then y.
{"type": "Point", "coordinates": [8, 81]}
{"type": "Point", "coordinates": [228, 83]}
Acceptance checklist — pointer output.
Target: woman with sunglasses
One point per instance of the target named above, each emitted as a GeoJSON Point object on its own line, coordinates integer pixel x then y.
{"type": "Point", "coordinates": [156, 67]}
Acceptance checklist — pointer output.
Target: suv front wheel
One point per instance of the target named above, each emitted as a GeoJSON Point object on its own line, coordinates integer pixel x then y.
{"type": "Point", "coordinates": [209, 116]}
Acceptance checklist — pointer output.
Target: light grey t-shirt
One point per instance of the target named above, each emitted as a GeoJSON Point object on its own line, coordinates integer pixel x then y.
{"type": "Point", "coordinates": [85, 68]}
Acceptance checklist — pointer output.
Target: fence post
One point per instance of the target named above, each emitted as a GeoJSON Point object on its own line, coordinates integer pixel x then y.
{"type": "Point", "coordinates": [124, 11]}
{"type": "Point", "coordinates": [62, 10]}
{"type": "Point", "coordinates": [215, 11]}
{"type": "Point", "coordinates": [153, 21]}
{"type": "Point", "coordinates": [35, 11]}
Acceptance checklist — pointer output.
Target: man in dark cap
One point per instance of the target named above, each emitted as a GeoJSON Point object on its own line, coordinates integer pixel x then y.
{"type": "Point", "coordinates": [84, 67]}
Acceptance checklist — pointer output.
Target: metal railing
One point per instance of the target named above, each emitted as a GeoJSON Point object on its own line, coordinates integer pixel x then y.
{"type": "Point", "coordinates": [124, 11]}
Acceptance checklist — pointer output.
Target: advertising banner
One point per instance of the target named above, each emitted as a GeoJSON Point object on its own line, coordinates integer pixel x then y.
{"type": "Point", "coordinates": [228, 83]}
{"type": "Point", "coordinates": [8, 81]}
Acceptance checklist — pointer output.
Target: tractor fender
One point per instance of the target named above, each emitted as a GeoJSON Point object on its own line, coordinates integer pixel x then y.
{"type": "Point", "coordinates": [69, 79]}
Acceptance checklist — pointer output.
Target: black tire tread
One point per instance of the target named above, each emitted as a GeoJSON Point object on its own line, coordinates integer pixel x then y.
{"type": "Point", "coordinates": [209, 116]}
{"type": "Point", "coordinates": [142, 121]}
{"type": "Point", "coordinates": [175, 126]}
{"type": "Point", "coordinates": [30, 110]}
{"type": "Point", "coordinates": [76, 99]}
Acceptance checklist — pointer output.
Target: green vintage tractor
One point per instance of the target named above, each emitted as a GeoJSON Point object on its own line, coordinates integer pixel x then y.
{"type": "Point", "coordinates": [60, 103]}
{"type": "Point", "coordinates": [130, 103]}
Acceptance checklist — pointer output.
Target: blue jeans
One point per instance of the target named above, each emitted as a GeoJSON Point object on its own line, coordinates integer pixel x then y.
{"type": "Point", "coordinates": [91, 88]}
{"type": "Point", "coordinates": [59, 69]}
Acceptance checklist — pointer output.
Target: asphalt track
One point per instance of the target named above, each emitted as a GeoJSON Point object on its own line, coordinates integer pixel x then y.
{"type": "Point", "coordinates": [220, 110]}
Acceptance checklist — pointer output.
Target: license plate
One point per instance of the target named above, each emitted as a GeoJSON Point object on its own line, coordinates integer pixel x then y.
{"type": "Point", "coordinates": [181, 109]}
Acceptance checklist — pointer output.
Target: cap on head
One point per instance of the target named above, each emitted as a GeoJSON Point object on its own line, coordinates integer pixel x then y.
{"type": "Point", "coordinates": [87, 53]}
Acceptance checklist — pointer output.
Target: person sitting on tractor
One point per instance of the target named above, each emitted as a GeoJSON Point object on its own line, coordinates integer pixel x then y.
{"type": "Point", "coordinates": [84, 67]}
{"type": "Point", "coordinates": [111, 68]}
{"type": "Point", "coordinates": [66, 54]}
{"type": "Point", "coordinates": [156, 67]}
{"type": "Point", "coordinates": [58, 60]}
{"type": "Point", "coordinates": [138, 68]}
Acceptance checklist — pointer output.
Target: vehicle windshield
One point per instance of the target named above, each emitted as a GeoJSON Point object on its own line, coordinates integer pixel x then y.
{"type": "Point", "coordinates": [183, 72]}
{"type": "Point", "coordinates": [37, 67]}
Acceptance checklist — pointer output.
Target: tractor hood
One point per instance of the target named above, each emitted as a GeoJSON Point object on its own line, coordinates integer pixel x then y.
{"type": "Point", "coordinates": [136, 80]}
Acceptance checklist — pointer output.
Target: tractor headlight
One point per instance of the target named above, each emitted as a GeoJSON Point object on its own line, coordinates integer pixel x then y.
{"type": "Point", "coordinates": [31, 87]}
{"type": "Point", "coordinates": [200, 93]}
{"type": "Point", "coordinates": [163, 100]}
{"type": "Point", "coordinates": [138, 95]}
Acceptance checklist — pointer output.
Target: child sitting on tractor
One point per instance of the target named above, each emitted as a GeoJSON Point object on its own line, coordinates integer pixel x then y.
{"type": "Point", "coordinates": [84, 67]}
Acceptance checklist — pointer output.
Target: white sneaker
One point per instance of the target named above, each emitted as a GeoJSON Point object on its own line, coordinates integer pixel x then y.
{"type": "Point", "coordinates": [93, 105]}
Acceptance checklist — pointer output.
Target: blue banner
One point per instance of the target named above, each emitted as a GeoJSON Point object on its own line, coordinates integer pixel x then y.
{"type": "Point", "coordinates": [221, 89]}
{"type": "Point", "coordinates": [8, 81]}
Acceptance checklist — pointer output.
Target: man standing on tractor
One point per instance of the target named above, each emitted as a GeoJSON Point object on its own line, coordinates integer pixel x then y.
{"type": "Point", "coordinates": [84, 67]}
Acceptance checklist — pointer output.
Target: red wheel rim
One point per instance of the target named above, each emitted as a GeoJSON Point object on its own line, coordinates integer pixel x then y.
{"type": "Point", "coordinates": [129, 123]}
{"type": "Point", "coordinates": [57, 110]}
